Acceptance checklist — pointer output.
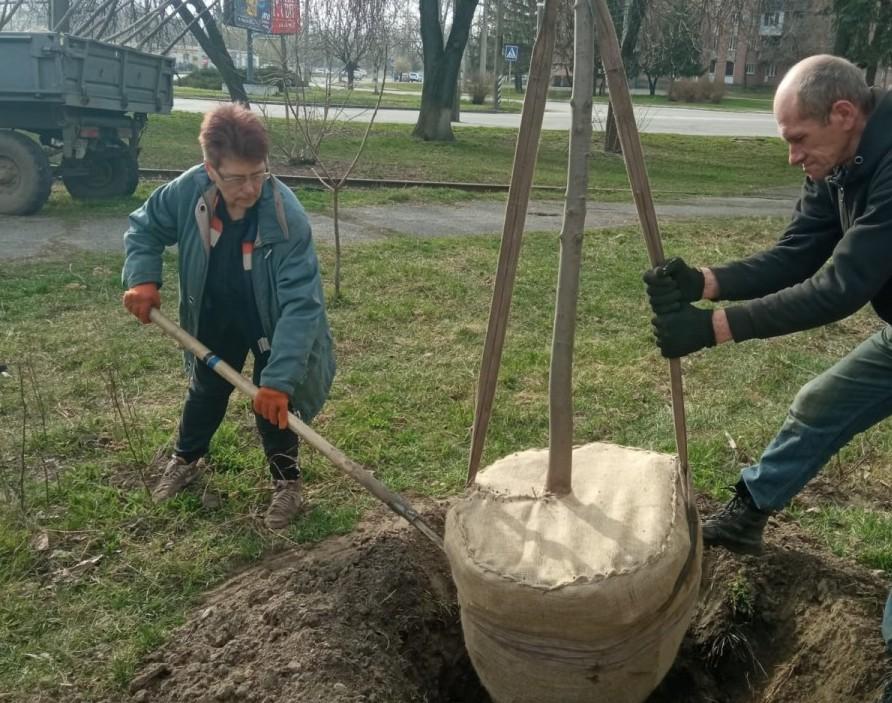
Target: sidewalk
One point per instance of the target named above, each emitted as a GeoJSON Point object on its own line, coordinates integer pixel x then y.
{"type": "Point", "coordinates": [55, 237]}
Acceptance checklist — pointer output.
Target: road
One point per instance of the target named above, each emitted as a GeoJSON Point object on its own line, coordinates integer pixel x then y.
{"type": "Point", "coordinates": [666, 120]}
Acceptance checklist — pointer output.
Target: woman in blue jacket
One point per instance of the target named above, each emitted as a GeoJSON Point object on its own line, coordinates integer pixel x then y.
{"type": "Point", "coordinates": [248, 281]}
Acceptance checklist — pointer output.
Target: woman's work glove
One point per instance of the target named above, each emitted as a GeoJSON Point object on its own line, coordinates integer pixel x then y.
{"type": "Point", "coordinates": [140, 300]}
{"type": "Point", "coordinates": [273, 405]}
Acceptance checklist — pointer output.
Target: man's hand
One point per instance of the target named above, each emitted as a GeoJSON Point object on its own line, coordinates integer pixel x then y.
{"type": "Point", "coordinates": [672, 285]}
{"type": "Point", "coordinates": [140, 300]}
{"type": "Point", "coordinates": [273, 405]}
{"type": "Point", "coordinates": [684, 331]}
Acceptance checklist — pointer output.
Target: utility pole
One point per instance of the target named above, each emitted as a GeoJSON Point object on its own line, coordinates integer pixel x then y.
{"type": "Point", "coordinates": [249, 72]}
{"type": "Point", "coordinates": [483, 43]}
{"type": "Point", "coordinates": [58, 10]}
{"type": "Point", "coordinates": [498, 55]}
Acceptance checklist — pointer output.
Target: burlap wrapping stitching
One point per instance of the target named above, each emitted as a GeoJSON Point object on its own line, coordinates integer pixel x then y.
{"type": "Point", "coordinates": [593, 658]}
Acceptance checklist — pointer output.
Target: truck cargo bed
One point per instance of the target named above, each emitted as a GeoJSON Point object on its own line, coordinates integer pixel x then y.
{"type": "Point", "coordinates": [59, 70]}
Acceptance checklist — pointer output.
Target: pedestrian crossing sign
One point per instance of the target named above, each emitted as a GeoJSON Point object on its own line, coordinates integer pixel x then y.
{"type": "Point", "coordinates": [511, 51]}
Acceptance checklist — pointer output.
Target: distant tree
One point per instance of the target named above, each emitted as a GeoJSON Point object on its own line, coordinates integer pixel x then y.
{"type": "Point", "coordinates": [8, 9]}
{"type": "Point", "coordinates": [350, 31]}
{"type": "Point", "coordinates": [442, 63]}
{"type": "Point", "coordinates": [195, 14]}
{"type": "Point", "coordinates": [864, 33]}
{"type": "Point", "coordinates": [151, 25]}
{"type": "Point", "coordinates": [631, 27]}
{"type": "Point", "coordinates": [670, 42]}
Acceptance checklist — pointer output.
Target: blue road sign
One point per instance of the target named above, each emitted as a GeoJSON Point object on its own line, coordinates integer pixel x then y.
{"type": "Point", "coordinates": [511, 51]}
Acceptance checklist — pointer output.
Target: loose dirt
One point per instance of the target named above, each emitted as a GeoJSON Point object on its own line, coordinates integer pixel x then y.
{"type": "Point", "coordinates": [372, 618]}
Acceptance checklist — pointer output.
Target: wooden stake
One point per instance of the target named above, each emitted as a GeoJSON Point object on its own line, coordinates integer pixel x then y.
{"type": "Point", "coordinates": [364, 478]}
{"type": "Point", "coordinates": [634, 158]}
{"type": "Point", "coordinates": [512, 233]}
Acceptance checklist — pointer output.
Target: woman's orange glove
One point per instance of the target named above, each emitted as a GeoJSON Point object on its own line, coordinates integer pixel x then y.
{"type": "Point", "coordinates": [140, 300]}
{"type": "Point", "coordinates": [273, 405]}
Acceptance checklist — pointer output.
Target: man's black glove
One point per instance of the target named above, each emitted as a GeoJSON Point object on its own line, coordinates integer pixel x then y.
{"type": "Point", "coordinates": [684, 331]}
{"type": "Point", "coordinates": [671, 285]}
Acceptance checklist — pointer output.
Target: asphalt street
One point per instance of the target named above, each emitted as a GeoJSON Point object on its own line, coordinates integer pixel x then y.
{"type": "Point", "coordinates": [665, 120]}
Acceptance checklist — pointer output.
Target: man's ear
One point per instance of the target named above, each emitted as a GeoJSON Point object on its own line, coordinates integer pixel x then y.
{"type": "Point", "coordinates": [844, 113]}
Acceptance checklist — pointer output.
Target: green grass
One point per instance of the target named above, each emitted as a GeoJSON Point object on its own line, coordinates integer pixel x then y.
{"type": "Point", "coordinates": [314, 198]}
{"type": "Point", "coordinates": [735, 100]}
{"type": "Point", "coordinates": [678, 165]}
{"type": "Point", "coordinates": [409, 333]}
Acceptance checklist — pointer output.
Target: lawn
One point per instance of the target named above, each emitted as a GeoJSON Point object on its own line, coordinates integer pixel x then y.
{"type": "Point", "coordinates": [92, 575]}
{"type": "Point", "coordinates": [679, 166]}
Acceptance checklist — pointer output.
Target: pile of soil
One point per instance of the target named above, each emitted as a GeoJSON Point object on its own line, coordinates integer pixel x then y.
{"type": "Point", "coordinates": [372, 617]}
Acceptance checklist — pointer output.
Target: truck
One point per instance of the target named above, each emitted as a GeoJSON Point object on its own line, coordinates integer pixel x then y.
{"type": "Point", "coordinates": [74, 108]}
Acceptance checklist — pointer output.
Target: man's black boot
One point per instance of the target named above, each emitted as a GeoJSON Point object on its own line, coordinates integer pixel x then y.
{"type": "Point", "coordinates": [738, 526]}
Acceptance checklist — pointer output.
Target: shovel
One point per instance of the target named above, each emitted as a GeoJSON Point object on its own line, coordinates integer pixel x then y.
{"type": "Point", "coordinates": [362, 476]}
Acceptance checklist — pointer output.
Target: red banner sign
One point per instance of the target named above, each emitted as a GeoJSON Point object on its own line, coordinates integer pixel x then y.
{"type": "Point", "coordinates": [286, 17]}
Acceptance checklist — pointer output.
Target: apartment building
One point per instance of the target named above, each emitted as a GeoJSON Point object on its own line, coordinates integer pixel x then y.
{"type": "Point", "coordinates": [754, 42]}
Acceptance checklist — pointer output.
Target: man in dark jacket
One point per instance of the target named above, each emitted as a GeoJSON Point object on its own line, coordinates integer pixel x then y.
{"type": "Point", "coordinates": [834, 257]}
{"type": "Point", "coordinates": [249, 282]}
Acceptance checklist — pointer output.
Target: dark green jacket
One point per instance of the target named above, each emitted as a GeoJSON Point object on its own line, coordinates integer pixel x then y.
{"type": "Point", "coordinates": [285, 276]}
{"type": "Point", "coordinates": [834, 257]}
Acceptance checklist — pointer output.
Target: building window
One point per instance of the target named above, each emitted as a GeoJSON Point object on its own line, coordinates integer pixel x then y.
{"type": "Point", "coordinates": [770, 70]}
{"type": "Point", "coordinates": [732, 45]}
{"type": "Point", "coordinates": [729, 68]}
{"type": "Point", "coordinates": [751, 69]}
{"type": "Point", "coordinates": [712, 66]}
{"type": "Point", "coordinates": [715, 42]}
{"type": "Point", "coordinates": [771, 24]}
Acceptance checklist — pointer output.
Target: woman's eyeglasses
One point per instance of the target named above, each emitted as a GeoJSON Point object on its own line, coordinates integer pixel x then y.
{"type": "Point", "coordinates": [239, 180]}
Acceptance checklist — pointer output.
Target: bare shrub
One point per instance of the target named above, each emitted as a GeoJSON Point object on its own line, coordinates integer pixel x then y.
{"type": "Point", "coordinates": [478, 86]}
{"type": "Point", "coordinates": [693, 91]}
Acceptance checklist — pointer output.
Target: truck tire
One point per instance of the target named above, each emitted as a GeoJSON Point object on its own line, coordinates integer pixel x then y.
{"type": "Point", "coordinates": [131, 169]}
{"type": "Point", "coordinates": [25, 174]}
{"type": "Point", "coordinates": [102, 174]}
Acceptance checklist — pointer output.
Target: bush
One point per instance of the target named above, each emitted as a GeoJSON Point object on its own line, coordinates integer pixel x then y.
{"type": "Point", "coordinates": [478, 86]}
{"type": "Point", "coordinates": [692, 91]}
{"type": "Point", "coordinates": [210, 78]}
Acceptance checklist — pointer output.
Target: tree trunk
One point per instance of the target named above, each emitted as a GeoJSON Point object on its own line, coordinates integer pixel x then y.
{"type": "Point", "coordinates": [871, 73]}
{"type": "Point", "coordinates": [456, 102]}
{"type": "Point", "coordinates": [208, 36]}
{"type": "Point", "coordinates": [335, 192]}
{"type": "Point", "coordinates": [611, 136]}
{"type": "Point", "coordinates": [442, 65]}
{"type": "Point", "coordinates": [631, 30]}
{"type": "Point", "coordinates": [560, 455]}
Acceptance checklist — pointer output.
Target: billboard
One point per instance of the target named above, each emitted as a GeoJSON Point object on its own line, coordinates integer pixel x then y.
{"type": "Point", "coordinates": [264, 16]}
{"type": "Point", "coordinates": [286, 17]}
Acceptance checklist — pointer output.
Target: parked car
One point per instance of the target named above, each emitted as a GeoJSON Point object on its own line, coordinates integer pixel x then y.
{"type": "Point", "coordinates": [359, 74]}
{"type": "Point", "coordinates": [415, 77]}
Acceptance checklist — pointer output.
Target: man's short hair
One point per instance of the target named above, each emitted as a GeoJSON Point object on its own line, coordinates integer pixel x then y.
{"type": "Point", "coordinates": [233, 131]}
{"type": "Point", "coordinates": [823, 80]}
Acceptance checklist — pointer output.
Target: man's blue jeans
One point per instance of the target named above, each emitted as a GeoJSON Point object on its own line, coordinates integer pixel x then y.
{"type": "Point", "coordinates": [848, 398]}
